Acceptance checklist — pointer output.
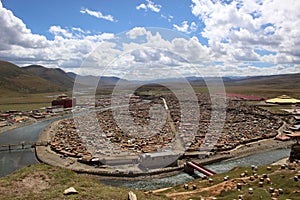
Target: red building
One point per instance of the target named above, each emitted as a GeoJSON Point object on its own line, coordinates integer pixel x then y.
{"type": "Point", "coordinates": [64, 101]}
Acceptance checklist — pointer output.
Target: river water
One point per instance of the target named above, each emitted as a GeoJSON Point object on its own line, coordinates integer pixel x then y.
{"type": "Point", "coordinates": [16, 159]}
{"type": "Point", "coordinates": [219, 167]}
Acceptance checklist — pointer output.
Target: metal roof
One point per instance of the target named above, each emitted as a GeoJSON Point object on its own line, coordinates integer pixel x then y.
{"type": "Point", "coordinates": [283, 99]}
{"type": "Point", "coordinates": [160, 153]}
{"type": "Point", "coordinates": [296, 134]}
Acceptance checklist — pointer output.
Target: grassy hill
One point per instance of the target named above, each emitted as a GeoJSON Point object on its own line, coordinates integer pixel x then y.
{"type": "Point", "coordinates": [266, 86]}
{"type": "Point", "coordinates": [274, 177]}
{"type": "Point", "coordinates": [45, 182]}
{"type": "Point", "coordinates": [31, 83]}
{"type": "Point", "coordinates": [14, 80]}
{"type": "Point", "coordinates": [53, 75]}
{"type": "Point", "coordinates": [284, 81]}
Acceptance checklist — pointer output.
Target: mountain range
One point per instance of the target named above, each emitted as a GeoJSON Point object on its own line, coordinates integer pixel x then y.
{"type": "Point", "coordinates": [39, 79]}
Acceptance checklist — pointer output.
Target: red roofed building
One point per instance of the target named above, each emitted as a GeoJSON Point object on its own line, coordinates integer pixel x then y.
{"type": "Point", "coordinates": [64, 101]}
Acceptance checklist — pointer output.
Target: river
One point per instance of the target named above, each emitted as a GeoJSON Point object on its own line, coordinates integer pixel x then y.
{"type": "Point", "coordinates": [264, 158]}
{"type": "Point", "coordinates": [16, 159]}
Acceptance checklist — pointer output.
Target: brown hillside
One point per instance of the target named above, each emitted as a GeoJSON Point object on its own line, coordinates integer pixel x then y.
{"type": "Point", "coordinates": [14, 80]}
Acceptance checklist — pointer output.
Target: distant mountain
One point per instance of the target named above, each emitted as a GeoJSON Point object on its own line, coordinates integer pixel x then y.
{"type": "Point", "coordinates": [14, 79]}
{"type": "Point", "coordinates": [39, 79]}
{"type": "Point", "coordinates": [283, 81]}
{"type": "Point", "coordinates": [191, 79]}
{"type": "Point", "coordinates": [54, 75]}
{"type": "Point", "coordinates": [107, 81]}
{"type": "Point", "coordinates": [67, 79]}
{"type": "Point", "coordinates": [72, 75]}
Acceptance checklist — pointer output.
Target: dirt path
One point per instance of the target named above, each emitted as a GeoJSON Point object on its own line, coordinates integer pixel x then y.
{"type": "Point", "coordinates": [178, 141]}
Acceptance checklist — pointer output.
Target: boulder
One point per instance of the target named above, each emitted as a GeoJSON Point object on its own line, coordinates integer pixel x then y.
{"type": "Point", "coordinates": [70, 190]}
{"type": "Point", "coordinates": [131, 196]}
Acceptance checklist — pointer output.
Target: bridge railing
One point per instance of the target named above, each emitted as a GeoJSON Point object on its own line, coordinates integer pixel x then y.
{"type": "Point", "coordinates": [22, 145]}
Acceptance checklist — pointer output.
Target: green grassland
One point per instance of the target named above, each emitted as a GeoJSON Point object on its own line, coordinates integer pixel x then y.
{"type": "Point", "coordinates": [255, 90]}
{"type": "Point", "coordinates": [263, 91]}
{"type": "Point", "coordinates": [14, 81]}
{"type": "Point", "coordinates": [27, 102]}
{"type": "Point", "coordinates": [280, 179]}
{"type": "Point", "coordinates": [40, 181]}
{"type": "Point", "coordinates": [45, 182]}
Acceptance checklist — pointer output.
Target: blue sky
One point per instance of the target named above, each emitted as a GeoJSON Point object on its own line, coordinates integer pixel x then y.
{"type": "Point", "coordinates": [40, 15]}
{"type": "Point", "coordinates": [245, 37]}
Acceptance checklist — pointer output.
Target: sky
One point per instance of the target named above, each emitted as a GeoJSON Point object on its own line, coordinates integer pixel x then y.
{"type": "Point", "coordinates": [139, 37]}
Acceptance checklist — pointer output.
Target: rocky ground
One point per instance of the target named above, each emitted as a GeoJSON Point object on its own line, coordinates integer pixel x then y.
{"type": "Point", "coordinates": [263, 182]}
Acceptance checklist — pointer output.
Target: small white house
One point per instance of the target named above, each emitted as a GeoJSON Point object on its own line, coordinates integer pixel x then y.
{"type": "Point", "coordinates": [55, 109]}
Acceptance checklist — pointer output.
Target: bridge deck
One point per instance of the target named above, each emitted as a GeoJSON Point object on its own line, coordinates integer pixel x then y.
{"type": "Point", "coordinates": [200, 168]}
{"type": "Point", "coordinates": [9, 147]}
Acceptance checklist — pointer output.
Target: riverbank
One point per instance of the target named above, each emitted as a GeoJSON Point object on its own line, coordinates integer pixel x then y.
{"type": "Point", "coordinates": [31, 121]}
{"type": "Point", "coordinates": [45, 155]}
{"type": "Point", "coordinates": [247, 150]}
{"type": "Point", "coordinates": [17, 125]}
{"type": "Point", "coordinates": [281, 161]}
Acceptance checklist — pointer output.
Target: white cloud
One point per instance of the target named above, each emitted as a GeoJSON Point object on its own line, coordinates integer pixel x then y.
{"type": "Point", "coordinates": [57, 30]}
{"type": "Point", "coordinates": [150, 5]}
{"type": "Point", "coordinates": [136, 31]}
{"type": "Point", "coordinates": [183, 28]}
{"type": "Point", "coordinates": [148, 50]}
{"type": "Point", "coordinates": [247, 24]}
{"type": "Point", "coordinates": [80, 30]}
{"type": "Point", "coordinates": [97, 14]}
{"type": "Point", "coordinates": [153, 7]}
{"type": "Point", "coordinates": [186, 27]}
{"type": "Point", "coordinates": [13, 32]}
{"type": "Point", "coordinates": [193, 27]}
{"type": "Point", "coordinates": [233, 35]}
{"type": "Point", "coordinates": [141, 7]}
{"type": "Point", "coordinates": [19, 45]}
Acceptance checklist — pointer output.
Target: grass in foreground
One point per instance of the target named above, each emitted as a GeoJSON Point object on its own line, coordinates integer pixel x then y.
{"type": "Point", "coordinates": [45, 182]}
{"type": "Point", "coordinates": [280, 178]}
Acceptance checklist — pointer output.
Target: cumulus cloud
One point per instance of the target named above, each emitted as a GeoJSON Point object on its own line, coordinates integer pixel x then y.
{"type": "Point", "coordinates": [150, 5]}
{"type": "Point", "coordinates": [136, 31]}
{"type": "Point", "coordinates": [13, 32]}
{"type": "Point", "coordinates": [235, 28]}
{"type": "Point", "coordinates": [142, 49]}
{"type": "Point", "coordinates": [241, 34]}
{"type": "Point", "coordinates": [21, 46]}
{"type": "Point", "coordinates": [97, 14]}
{"type": "Point", "coordinates": [57, 30]}
{"type": "Point", "coordinates": [186, 27]}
